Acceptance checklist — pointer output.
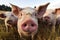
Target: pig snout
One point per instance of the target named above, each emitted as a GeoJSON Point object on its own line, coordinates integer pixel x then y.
{"type": "Point", "coordinates": [29, 26]}
{"type": "Point", "coordinates": [46, 19]}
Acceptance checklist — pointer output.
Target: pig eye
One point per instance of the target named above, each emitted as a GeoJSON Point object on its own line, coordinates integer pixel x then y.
{"type": "Point", "coordinates": [53, 13]}
{"type": "Point", "coordinates": [21, 14]}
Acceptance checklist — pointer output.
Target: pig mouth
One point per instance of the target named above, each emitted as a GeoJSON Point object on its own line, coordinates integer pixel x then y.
{"type": "Point", "coordinates": [48, 23]}
{"type": "Point", "coordinates": [28, 33]}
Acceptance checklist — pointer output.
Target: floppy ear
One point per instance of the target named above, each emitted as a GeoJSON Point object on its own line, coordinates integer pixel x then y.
{"type": "Point", "coordinates": [15, 9]}
{"type": "Point", "coordinates": [2, 15]}
{"type": "Point", "coordinates": [41, 10]}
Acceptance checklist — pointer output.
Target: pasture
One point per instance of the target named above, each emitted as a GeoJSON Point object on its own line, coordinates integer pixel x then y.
{"type": "Point", "coordinates": [45, 32]}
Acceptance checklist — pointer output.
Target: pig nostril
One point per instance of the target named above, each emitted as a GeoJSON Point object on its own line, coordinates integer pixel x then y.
{"type": "Point", "coordinates": [32, 25]}
{"type": "Point", "coordinates": [25, 25]}
{"type": "Point", "coordinates": [46, 20]}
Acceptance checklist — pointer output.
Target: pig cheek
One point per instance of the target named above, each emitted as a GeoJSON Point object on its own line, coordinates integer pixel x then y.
{"type": "Point", "coordinates": [19, 27]}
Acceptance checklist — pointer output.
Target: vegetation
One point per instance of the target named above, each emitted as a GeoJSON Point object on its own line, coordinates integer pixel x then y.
{"type": "Point", "coordinates": [45, 31]}
{"type": "Point", "coordinates": [5, 8]}
{"type": "Point", "coordinates": [11, 35]}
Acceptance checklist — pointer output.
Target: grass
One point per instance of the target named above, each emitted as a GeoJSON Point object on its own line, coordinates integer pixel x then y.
{"type": "Point", "coordinates": [45, 31]}
{"type": "Point", "coordinates": [7, 35]}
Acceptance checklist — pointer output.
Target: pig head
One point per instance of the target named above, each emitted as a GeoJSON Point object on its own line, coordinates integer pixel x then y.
{"type": "Point", "coordinates": [49, 17]}
{"type": "Point", "coordinates": [57, 11]}
{"type": "Point", "coordinates": [28, 19]}
{"type": "Point", "coordinates": [9, 18]}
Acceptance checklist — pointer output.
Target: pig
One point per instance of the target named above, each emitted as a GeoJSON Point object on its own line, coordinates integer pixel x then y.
{"type": "Point", "coordinates": [50, 18]}
{"type": "Point", "coordinates": [27, 23]}
{"type": "Point", "coordinates": [10, 20]}
{"type": "Point", "coordinates": [57, 11]}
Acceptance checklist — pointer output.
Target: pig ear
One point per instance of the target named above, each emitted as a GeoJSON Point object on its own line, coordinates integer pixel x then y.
{"type": "Point", "coordinates": [2, 15]}
{"type": "Point", "coordinates": [15, 9]}
{"type": "Point", "coordinates": [57, 11]}
{"type": "Point", "coordinates": [41, 10]}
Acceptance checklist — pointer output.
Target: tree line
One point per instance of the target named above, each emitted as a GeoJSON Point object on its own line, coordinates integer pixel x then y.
{"type": "Point", "coordinates": [5, 8]}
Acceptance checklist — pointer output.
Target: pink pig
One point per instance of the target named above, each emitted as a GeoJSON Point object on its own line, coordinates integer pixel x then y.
{"type": "Point", "coordinates": [28, 19]}
{"type": "Point", "coordinates": [10, 20]}
{"type": "Point", "coordinates": [57, 11]}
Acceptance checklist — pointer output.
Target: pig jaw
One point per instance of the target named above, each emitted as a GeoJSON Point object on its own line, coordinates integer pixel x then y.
{"type": "Point", "coordinates": [27, 27]}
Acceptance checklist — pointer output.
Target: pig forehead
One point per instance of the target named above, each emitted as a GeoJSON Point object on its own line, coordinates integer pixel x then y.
{"type": "Point", "coordinates": [29, 10]}
{"type": "Point", "coordinates": [48, 13]}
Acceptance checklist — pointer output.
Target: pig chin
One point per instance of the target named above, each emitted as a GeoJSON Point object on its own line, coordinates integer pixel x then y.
{"type": "Point", "coordinates": [49, 22]}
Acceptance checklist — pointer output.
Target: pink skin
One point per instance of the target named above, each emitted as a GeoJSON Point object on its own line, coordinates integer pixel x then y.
{"type": "Point", "coordinates": [28, 23]}
{"type": "Point", "coordinates": [28, 19]}
{"type": "Point", "coordinates": [10, 19]}
{"type": "Point", "coordinates": [47, 18]}
{"type": "Point", "coordinates": [29, 26]}
{"type": "Point", "coordinates": [57, 11]}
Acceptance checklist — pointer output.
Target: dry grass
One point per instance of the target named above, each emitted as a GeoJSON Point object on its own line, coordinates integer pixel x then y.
{"type": "Point", "coordinates": [45, 32]}
{"type": "Point", "coordinates": [11, 35]}
{"type": "Point", "coordinates": [2, 11]}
